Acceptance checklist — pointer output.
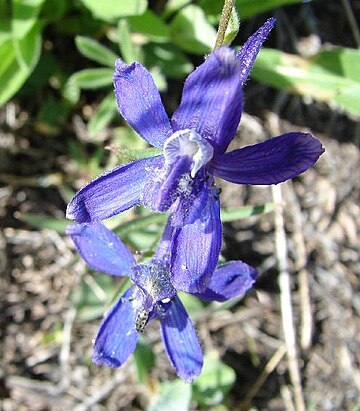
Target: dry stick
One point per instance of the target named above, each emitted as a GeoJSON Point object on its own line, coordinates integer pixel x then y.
{"type": "Point", "coordinates": [103, 392]}
{"type": "Point", "coordinates": [285, 298]}
{"type": "Point", "coordinates": [268, 369]}
{"type": "Point", "coordinates": [306, 331]}
{"type": "Point", "coordinates": [286, 396]}
{"type": "Point", "coordinates": [300, 266]}
{"type": "Point", "coordinates": [224, 22]}
{"type": "Point", "coordinates": [65, 349]}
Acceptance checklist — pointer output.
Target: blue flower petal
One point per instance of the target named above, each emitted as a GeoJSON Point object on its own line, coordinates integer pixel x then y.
{"type": "Point", "coordinates": [117, 336]}
{"type": "Point", "coordinates": [229, 281]}
{"type": "Point", "coordinates": [111, 193]}
{"type": "Point", "coordinates": [196, 248]}
{"type": "Point", "coordinates": [101, 248]}
{"type": "Point", "coordinates": [211, 102]}
{"type": "Point", "coordinates": [161, 188]}
{"type": "Point", "coordinates": [248, 52]}
{"type": "Point", "coordinates": [163, 249]}
{"type": "Point", "coordinates": [270, 162]}
{"type": "Point", "coordinates": [190, 204]}
{"type": "Point", "coordinates": [140, 104]}
{"type": "Point", "coordinates": [181, 342]}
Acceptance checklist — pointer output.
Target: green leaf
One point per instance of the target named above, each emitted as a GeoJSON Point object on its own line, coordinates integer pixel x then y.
{"type": "Point", "coordinates": [356, 407]}
{"type": "Point", "coordinates": [94, 163]}
{"type": "Point", "coordinates": [87, 79]}
{"type": "Point", "coordinates": [247, 8]}
{"type": "Point", "coordinates": [95, 51]}
{"type": "Point", "coordinates": [192, 304]}
{"type": "Point", "coordinates": [144, 240]}
{"type": "Point", "coordinates": [93, 78]}
{"type": "Point", "coordinates": [128, 138]}
{"type": "Point", "coordinates": [150, 25]}
{"type": "Point", "coordinates": [330, 76]}
{"type": "Point", "coordinates": [171, 61]}
{"type": "Point", "coordinates": [173, 396]}
{"type": "Point", "coordinates": [140, 223]}
{"type": "Point", "coordinates": [18, 58]}
{"type": "Point", "coordinates": [143, 232]}
{"type": "Point", "coordinates": [104, 113]}
{"type": "Point", "coordinates": [5, 10]}
{"type": "Point", "coordinates": [233, 27]}
{"type": "Point", "coordinates": [172, 6]}
{"type": "Point", "coordinates": [71, 91]}
{"type": "Point", "coordinates": [213, 8]}
{"type": "Point", "coordinates": [144, 360]}
{"type": "Point", "coordinates": [41, 222]}
{"type": "Point", "coordinates": [127, 49]}
{"type": "Point", "coordinates": [131, 155]}
{"type": "Point", "coordinates": [250, 8]}
{"type": "Point", "coordinates": [159, 78]}
{"type": "Point", "coordinates": [247, 211]}
{"type": "Point", "coordinates": [92, 297]}
{"type": "Point", "coordinates": [78, 24]}
{"type": "Point", "coordinates": [54, 10]}
{"type": "Point", "coordinates": [24, 16]}
{"type": "Point", "coordinates": [191, 31]}
{"type": "Point", "coordinates": [215, 381]}
{"type": "Point", "coordinates": [340, 61]}
{"type": "Point", "coordinates": [111, 10]}
{"type": "Point", "coordinates": [54, 335]}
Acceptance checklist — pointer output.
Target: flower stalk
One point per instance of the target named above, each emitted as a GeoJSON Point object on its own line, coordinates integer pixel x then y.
{"type": "Point", "coordinates": [224, 22]}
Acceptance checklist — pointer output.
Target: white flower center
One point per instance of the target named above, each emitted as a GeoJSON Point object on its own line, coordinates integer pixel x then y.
{"type": "Point", "coordinates": [188, 143]}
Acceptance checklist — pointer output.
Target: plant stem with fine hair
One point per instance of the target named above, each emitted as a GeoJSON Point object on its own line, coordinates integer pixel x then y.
{"type": "Point", "coordinates": [224, 22]}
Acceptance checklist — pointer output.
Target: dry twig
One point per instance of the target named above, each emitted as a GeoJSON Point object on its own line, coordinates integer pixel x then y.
{"type": "Point", "coordinates": [268, 369]}
{"type": "Point", "coordinates": [300, 267]}
{"type": "Point", "coordinates": [285, 299]}
{"type": "Point", "coordinates": [119, 377]}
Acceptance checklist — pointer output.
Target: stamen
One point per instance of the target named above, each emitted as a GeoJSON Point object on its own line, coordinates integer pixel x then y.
{"type": "Point", "coordinates": [188, 143]}
{"type": "Point", "coordinates": [154, 280]}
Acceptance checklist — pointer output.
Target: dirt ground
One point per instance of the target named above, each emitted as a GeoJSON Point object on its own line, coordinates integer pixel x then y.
{"type": "Point", "coordinates": [45, 349]}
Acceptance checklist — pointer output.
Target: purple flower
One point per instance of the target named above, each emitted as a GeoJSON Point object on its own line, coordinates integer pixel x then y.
{"type": "Point", "coordinates": [194, 145]}
{"type": "Point", "coordinates": [153, 296]}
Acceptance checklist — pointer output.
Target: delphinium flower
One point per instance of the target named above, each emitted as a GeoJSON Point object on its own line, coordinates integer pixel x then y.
{"type": "Point", "coordinates": [193, 143]}
{"type": "Point", "coordinates": [153, 296]}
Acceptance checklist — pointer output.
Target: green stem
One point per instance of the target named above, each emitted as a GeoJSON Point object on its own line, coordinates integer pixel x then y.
{"type": "Point", "coordinates": [224, 22]}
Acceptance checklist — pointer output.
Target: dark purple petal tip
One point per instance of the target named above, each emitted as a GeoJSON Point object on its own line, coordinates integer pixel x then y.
{"type": "Point", "coordinates": [230, 280]}
{"type": "Point", "coordinates": [122, 68]}
{"type": "Point", "coordinates": [248, 52]}
{"type": "Point", "coordinates": [270, 162]}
